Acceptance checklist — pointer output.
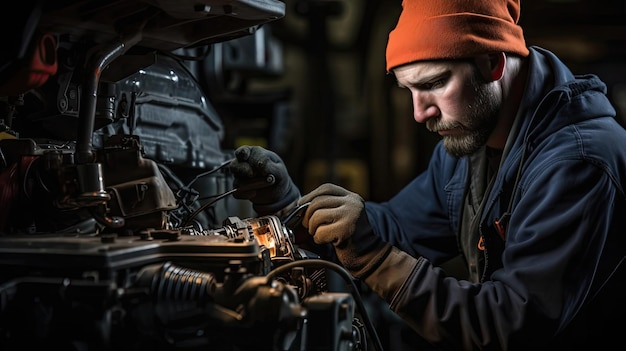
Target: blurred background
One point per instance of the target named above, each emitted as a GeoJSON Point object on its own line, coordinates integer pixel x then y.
{"type": "Point", "coordinates": [318, 94]}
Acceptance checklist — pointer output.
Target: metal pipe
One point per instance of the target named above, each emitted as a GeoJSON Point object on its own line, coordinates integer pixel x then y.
{"type": "Point", "coordinates": [100, 58]}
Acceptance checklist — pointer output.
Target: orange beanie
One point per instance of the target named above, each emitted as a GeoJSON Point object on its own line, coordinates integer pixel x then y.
{"type": "Point", "coordinates": [451, 29]}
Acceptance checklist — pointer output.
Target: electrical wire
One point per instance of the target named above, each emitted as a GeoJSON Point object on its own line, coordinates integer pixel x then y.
{"type": "Point", "coordinates": [213, 170]}
{"type": "Point", "coordinates": [267, 181]}
{"type": "Point", "coordinates": [206, 205]}
{"type": "Point", "coordinates": [319, 263]}
{"type": "Point", "coordinates": [295, 213]}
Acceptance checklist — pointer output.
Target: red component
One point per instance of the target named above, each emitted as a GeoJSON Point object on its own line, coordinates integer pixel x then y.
{"type": "Point", "coordinates": [42, 65]}
{"type": "Point", "coordinates": [9, 190]}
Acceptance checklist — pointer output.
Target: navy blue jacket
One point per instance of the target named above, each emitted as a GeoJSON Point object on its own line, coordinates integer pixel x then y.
{"type": "Point", "coordinates": [557, 278]}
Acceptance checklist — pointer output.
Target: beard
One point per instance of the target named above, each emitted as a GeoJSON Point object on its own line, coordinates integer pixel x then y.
{"type": "Point", "coordinates": [479, 122]}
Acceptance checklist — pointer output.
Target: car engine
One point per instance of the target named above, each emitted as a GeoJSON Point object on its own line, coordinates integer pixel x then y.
{"type": "Point", "coordinates": [117, 229]}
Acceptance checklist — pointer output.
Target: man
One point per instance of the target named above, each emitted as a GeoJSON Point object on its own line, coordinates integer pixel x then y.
{"type": "Point", "coordinates": [526, 189]}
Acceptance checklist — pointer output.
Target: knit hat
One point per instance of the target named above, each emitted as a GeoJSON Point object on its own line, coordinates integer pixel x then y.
{"type": "Point", "coordinates": [451, 29]}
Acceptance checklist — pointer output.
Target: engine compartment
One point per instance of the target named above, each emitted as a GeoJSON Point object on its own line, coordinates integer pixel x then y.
{"type": "Point", "coordinates": [117, 230]}
{"type": "Point", "coordinates": [169, 290]}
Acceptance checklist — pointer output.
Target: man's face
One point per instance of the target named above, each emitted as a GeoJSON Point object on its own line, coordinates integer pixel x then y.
{"type": "Point", "coordinates": [453, 99]}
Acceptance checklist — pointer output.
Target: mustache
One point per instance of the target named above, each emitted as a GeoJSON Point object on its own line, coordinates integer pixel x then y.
{"type": "Point", "coordinates": [435, 125]}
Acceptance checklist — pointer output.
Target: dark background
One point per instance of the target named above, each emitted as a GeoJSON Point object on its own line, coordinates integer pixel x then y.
{"type": "Point", "coordinates": [327, 106]}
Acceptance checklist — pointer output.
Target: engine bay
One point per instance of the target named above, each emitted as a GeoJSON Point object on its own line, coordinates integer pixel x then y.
{"type": "Point", "coordinates": [117, 230]}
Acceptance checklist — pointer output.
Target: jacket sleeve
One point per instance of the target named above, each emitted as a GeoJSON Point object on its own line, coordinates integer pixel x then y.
{"type": "Point", "coordinates": [552, 268]}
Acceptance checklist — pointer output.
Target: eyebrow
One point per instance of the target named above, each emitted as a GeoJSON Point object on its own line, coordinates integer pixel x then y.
{"type": "Point", "coordinates": [428, 79]}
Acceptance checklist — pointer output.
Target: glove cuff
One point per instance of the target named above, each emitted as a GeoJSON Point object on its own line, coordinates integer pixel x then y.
{"type": "Point", "coordinates": [364, 265]}
{"type": "Point", "coordinates": [365, 250]}
{"type": "Point", "coordinates": [391, 274]}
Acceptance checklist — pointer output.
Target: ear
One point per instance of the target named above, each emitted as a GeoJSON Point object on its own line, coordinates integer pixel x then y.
{"type": "Point", "coordinates": [491, 66]}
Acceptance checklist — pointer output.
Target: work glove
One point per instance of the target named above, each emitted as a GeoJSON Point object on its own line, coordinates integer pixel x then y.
{"type": "Point", "coordinates": [261, 176]}
{"type": "Point", "coordinates": [337, 216]}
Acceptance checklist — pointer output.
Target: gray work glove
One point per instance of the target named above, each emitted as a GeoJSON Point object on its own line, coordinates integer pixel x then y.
{"type": "Point", "coordinates": [337, 216]}
{"type": "Point", "coordinates": [251, 168]}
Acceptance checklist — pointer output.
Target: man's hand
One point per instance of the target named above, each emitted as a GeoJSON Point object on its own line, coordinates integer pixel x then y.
{"type": "Point", "coordinates": [254, 164]}
{"type": "Point", "coordinates": [337, 216]}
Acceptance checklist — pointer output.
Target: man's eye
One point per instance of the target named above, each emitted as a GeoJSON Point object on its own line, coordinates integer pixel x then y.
{"type": "Point", "coordinates": [438, 83]}
{"type": "Point", "coordinates": [433, 85]}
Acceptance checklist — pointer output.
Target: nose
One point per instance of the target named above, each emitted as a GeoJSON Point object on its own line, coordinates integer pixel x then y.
{"type": "Point", "coordinates": [423, 107]}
